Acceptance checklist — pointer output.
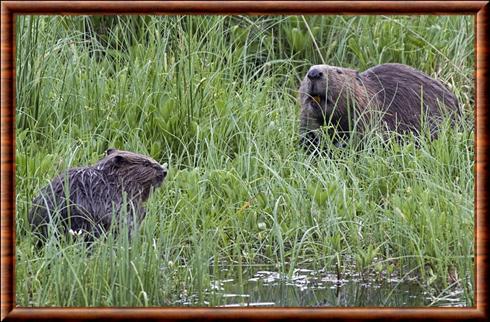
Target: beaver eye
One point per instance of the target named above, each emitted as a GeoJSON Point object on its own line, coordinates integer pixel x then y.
{"type": "Point", "coordinates": [119, 159]}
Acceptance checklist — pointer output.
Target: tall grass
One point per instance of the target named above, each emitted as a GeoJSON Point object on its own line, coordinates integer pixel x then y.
{"type": "Point", "coordinates": [215, 97]}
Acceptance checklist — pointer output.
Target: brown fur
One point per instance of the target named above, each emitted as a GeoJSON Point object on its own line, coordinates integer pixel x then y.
{"type": "Point", "coordinates": [387, 96]}
{"type": "Point", "coordinates": [88, 198]}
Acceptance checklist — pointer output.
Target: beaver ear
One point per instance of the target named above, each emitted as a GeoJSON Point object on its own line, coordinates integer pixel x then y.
{"type": "Point", "coordinates": [110, 151]}
{"type": "Point", "coordinates": [358, 77]}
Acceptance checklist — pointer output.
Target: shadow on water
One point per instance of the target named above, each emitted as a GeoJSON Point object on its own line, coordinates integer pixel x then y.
{"type": "Point", "coordinates": [310, 288]}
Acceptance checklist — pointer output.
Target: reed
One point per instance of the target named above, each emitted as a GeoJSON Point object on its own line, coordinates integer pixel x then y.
{"type": "Point", "coordinates": [215, 97]}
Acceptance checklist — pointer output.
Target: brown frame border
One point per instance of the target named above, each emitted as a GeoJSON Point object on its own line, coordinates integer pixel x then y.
{"type": "Point", "coordinates": [480, 9]}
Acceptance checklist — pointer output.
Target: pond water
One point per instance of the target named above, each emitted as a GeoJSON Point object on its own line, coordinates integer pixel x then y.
{"type": "Point", "coordinates": [310, 288]}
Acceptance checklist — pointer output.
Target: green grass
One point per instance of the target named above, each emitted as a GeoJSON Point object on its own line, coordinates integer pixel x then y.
{"type": "Point", "coordinates": [215, 97]}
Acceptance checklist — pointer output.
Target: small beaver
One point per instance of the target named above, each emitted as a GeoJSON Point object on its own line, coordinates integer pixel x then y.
{"type": "Point", "coordinates": [390, 95]}
{"type": "Point", "coordinates": [86, 199]}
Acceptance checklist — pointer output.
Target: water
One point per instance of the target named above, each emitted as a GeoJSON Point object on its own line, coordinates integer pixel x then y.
{"type": "Point", "coordinates": [310, 288]}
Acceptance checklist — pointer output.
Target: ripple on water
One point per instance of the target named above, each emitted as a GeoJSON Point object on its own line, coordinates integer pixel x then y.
{"type": "Point", "coordinates": [310, 288]}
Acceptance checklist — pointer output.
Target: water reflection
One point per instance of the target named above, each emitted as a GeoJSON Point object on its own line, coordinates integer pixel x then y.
{"type": "Point", "coordinates": [309, 288]}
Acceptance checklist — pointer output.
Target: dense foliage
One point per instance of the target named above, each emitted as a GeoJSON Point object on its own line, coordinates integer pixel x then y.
{"type": "Point", "coordinates": [216, 98]}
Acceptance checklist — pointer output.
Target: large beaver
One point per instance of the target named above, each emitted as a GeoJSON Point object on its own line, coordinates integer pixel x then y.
{"type": "Point", "coordinates": [88, 199]}
{"type": "Point", "coordinates": [394, 97]}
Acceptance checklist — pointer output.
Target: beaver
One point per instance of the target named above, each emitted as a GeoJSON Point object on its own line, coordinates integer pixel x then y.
{"type": "Point", "coordinates": [393, 97]}
{"type": "Point", "coordinates": [88, 199]}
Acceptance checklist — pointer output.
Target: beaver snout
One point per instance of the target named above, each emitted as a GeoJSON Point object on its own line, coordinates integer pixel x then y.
{"type": "Point", "coordinates": [314, 73]}
{"type": "Point", "coordinates": [162, 173]}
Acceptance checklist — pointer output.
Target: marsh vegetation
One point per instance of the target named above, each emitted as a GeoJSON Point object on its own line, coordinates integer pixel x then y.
{"type": "Point", "coordinates": [216, 98]}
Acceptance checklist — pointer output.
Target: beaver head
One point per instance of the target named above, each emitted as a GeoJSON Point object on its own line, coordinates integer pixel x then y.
{"type": "Point", "coordinates": [136, 173]}
{"type": "Point", "coordinates": [330, 95]}
{"type": "Point", "coordinates": [326, 87]}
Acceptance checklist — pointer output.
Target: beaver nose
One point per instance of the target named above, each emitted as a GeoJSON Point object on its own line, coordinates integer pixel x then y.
{"type": "Point", "coordinates": [314, 73]}
{"type": "Point", "coordinates": [161, 175]}
{"type": "Point", "coordinates": [164, 169]}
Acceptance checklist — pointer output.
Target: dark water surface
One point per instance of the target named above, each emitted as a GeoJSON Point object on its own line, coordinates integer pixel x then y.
{"type": "Point", "coordinates": [309, 288]}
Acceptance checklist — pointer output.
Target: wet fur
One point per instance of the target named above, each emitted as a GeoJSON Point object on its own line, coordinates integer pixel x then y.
{"type": "Point", "coordinates": [386, 96]}
{"type": "Point", "coordinates": [87, 198]}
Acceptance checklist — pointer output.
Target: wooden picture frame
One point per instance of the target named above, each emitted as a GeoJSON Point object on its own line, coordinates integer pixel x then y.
{"type": "Point", "coordinates": [9, 9]}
